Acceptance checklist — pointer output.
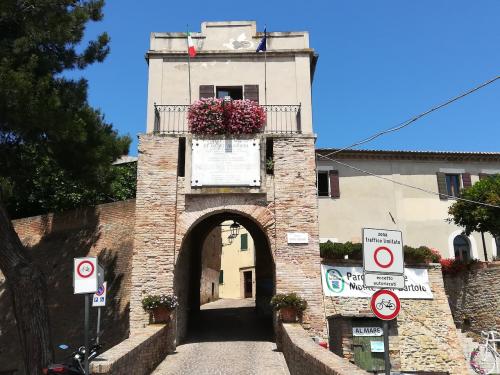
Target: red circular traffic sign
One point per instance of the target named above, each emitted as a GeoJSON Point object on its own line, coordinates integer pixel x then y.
{"type": "Point", "coordinates": [381, 250]}
{"type": "Point", "coordinates": [385, 304]}
{"type": "Point", "coordinates": [85, 269]}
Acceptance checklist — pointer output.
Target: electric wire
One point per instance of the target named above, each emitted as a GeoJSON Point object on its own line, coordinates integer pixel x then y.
{"type": "Point", "coordinates": [410, 121]}
{"type": "Point", "coordinates": [408, 185]}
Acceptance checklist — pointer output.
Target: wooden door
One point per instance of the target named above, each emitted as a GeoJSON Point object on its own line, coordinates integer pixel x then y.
{"type": "Point", "coordinates": [247, 280]}
{"type": "Point", "coordinates": [362, 347]}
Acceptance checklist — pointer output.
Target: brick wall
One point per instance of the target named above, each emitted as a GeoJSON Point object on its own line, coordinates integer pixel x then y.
{"type": "Point", "coordinates": [423, 338]}
{"type": "Point", "coordinates": [53, 240]}
{"type": "Point", "coordinates": [474, 298]}
{"type": "Point", "coordinates": [210, 266]}
{"type": "Point", "coordinates": [305, 357]}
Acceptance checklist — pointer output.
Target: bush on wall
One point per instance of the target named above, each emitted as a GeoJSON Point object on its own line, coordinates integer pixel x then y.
{"type": "Point", "coordinates": [213, 116]}
{"type": "Point", "coordinates": [421, 254]}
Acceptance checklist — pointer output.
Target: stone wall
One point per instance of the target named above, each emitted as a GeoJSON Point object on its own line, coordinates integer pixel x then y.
{"type": "Point", "coordinates": [296, 210]}
{"type": "Point", "coordinates": [305, 357]}
{"type": "Point", "coordinates": [422, 338]}
{"type": "Point", "coordinates": [53, 240]}
{"type": "Point", "coordinates": [474, 298]}
{"type": "Point", "coordinates": [139, 354]}
{"type": "Point", "coordinates": [210, 266]}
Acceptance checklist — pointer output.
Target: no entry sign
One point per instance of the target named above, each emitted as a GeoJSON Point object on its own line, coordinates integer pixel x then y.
{"type": "Point", "coordinates": [383, 251]}
{"type": "Point", "coordinates": [85, 278]}
{"type": "Point", "coordinates": [385, 304]}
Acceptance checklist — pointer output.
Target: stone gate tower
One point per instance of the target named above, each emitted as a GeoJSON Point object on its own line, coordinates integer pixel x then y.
{"type": "Point", "coordinates": [188, 184]}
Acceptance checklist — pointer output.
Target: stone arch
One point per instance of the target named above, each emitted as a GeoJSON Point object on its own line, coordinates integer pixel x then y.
{"type": "Point", "coordinates": [192, 229]}
{"type": "Point", "coordinates": [470, 239]}
{"type": "Point", "coordinates": [263, 216]}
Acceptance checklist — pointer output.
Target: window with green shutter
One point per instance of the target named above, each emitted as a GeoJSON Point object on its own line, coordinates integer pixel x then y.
{"type": "Point", "coordinates": [244, 242]}
{"type": "Point", "coordinates": [221, 277]}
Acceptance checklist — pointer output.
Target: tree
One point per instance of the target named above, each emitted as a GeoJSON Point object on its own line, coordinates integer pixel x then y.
{"type": "Point", "coordinates": [478, 218]}
{"type": "Point", "coordinates": [52, 142]}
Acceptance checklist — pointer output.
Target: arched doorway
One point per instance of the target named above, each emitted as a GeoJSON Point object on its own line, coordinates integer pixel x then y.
{"type": "Point", "coordinates": [193, 289]}
{"type": "Point", "coordinates": [462, 248]}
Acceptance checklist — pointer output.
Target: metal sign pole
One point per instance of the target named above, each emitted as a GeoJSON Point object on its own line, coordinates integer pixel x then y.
{"type": "Point", "coordinates": [98, 324]}
{"type": "Point", "coordinates": [86, 333]}
{"type": "Point", "coordinates": [387, 359]}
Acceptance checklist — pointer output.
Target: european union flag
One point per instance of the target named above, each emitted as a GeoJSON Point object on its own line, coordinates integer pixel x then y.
{"type": "Point", "coordinates": [263, 43]}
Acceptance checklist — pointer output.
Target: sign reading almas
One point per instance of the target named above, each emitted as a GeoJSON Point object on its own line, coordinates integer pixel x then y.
{"type": "Point", "coordinates": [225, 162]}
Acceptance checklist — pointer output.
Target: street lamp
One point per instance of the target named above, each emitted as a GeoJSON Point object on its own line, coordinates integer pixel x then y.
{"type": "Point", "coordinates": [235, 229]}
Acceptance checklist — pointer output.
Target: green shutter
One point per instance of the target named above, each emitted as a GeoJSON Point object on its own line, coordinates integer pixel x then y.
{"type": "Point", "coordinates": [244, 241]}
{"type": "Point", "coordinates": [221, 277]}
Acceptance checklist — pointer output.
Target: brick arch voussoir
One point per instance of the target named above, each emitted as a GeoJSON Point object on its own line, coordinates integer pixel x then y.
{"type": "Point", "coordinates": [263, 216]}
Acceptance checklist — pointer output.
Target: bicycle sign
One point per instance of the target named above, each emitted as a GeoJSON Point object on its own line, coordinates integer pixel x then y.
{"type": "Point", "coordinates": [85, 275]}
{"type": "Point", "coordinates": [385, 304]}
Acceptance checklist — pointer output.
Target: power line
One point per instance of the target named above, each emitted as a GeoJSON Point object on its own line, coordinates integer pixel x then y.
{"type": "Point", "coordinates": [414, 119]}
{"type": "Point", "coordinates": [408, 185]}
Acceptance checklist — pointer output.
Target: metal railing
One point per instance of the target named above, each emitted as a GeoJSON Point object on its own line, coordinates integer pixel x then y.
{"type": "Point", "coordinates": [280, 118]}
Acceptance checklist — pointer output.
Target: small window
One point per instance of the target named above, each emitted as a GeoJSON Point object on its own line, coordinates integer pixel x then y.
{"type": "Point", "coordinates": [235, 92]}
{"type": "Point", "coordinates": [453, 184]}
{"type": "Point", "coordinates": [323, 190]}
{"type": "Point", "coordinates": [221, 277]}
{"type": "Point", "coordinates": [244, 242]}
{"type": "Point", "coordinates": [462, 248]}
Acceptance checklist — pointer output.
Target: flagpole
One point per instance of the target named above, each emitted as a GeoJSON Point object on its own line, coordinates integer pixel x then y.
{"type": "Point", "coordinates": [189, 63]}
{"type": "Point", "coordinates": [265, 66]}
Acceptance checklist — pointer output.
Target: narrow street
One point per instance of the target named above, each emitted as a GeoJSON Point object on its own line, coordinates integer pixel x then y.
{"type": "Point", "coordinates": [228, 338]}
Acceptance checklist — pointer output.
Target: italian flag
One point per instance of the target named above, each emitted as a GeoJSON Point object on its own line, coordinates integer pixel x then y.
{"type": "Point", "coordinates": [191, 49]}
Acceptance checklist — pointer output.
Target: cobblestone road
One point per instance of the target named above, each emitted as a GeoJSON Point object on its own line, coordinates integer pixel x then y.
{"type": "Point", "coordinates": [228, 339]}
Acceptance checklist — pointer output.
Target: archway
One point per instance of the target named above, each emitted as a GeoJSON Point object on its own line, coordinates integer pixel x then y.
{"type": "Point", "coordinates": [462, 248]}
{"type": "Point", "coordinates": [188, 269]}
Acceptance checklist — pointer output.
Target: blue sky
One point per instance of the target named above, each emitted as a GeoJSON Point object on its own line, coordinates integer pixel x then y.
{"type": "Point", "coordinates": [381, 62]}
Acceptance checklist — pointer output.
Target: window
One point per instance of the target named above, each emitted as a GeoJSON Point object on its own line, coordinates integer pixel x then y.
{"type": "Point", "coordinates": [461, 247]}
{"type": "Point", "coordinates": [244, 241]}
{"type": "Point", "coordinates": [453, 184]}
{"type": "Point", "coordinates": [323, 188]}
{"type": "Point", "coordinates": [221, 277]}
{"type": "Point", "coordinates": [235, 92]}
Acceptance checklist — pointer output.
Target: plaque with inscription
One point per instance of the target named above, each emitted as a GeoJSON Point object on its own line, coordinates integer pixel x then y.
{"type": "Point", "coordinates": [225, 162]}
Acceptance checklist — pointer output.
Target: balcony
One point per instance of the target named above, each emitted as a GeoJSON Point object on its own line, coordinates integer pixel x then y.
{"type": "Point", "coordinates": [280, 119]}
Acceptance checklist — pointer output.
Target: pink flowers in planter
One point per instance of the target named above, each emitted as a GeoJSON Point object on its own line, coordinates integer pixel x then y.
{"type": "Point", "coordinates": [212, 116]}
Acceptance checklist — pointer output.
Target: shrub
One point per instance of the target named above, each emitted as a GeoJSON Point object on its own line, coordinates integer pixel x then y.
{"type": "Point", "coordinates": [292, 300]}
{"type": "Point", "coordinates": [451, 266]}
{"type": "Point", "coordinates": [212, 116]}
{"type": "Point", "coordinates": [337, 250]}
{"type": "Point", "coordinates": [151, 302]}
{"type": "Point", "coordinates": [421, 254]}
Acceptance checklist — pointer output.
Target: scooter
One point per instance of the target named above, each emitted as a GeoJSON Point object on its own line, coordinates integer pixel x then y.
{"type": "Point", "coordinates": [74, 363]}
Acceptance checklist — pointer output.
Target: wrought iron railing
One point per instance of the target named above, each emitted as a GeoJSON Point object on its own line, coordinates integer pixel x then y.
{"type": "Point", "coordinates": [280, 118]}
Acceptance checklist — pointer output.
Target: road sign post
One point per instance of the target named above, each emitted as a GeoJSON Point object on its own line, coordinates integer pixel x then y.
{"type": "Point", "coordinates": [385, 305]}
{"type": "Point", "coordinates": [383, 260]}
{"type": "Point", "coordinates": [99, 300]}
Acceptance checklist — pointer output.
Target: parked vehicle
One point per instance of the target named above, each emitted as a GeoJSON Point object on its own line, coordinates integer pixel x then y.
{"type": "Point", "coordinates": [74, 365]}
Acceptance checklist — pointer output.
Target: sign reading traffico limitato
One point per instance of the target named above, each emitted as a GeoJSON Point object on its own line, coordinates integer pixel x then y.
{"type": "Point", "coordinates": [347, 282]}
{"type": "Point", "coordinates": [383, 259]}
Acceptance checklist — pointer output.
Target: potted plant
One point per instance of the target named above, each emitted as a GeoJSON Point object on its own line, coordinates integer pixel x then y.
{"type": "Point", "coordinates": [289, 305]}
{"type": "Point", "coordinates": [160, 306]}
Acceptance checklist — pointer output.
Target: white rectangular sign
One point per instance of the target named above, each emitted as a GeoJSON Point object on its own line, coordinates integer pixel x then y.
{"type": "Point", "coordinates": [367, 331]}
{"type": "Point", "coordinates": [99, 299]}
{"type": "Point", "coordinates": [377, 346]}
{"type": "Point", "coordinates": [383, 251]}
{"type": "Point", "coordinates": [347, 282]}
{"type": "Point", "coordinates": [225, 162]}
{"type": "Point", "coordinates": [85, 278]}
{"type": "Point", "coordinates": [297, 237]}
{"type": "Point", "coordinates": [384, 281]}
